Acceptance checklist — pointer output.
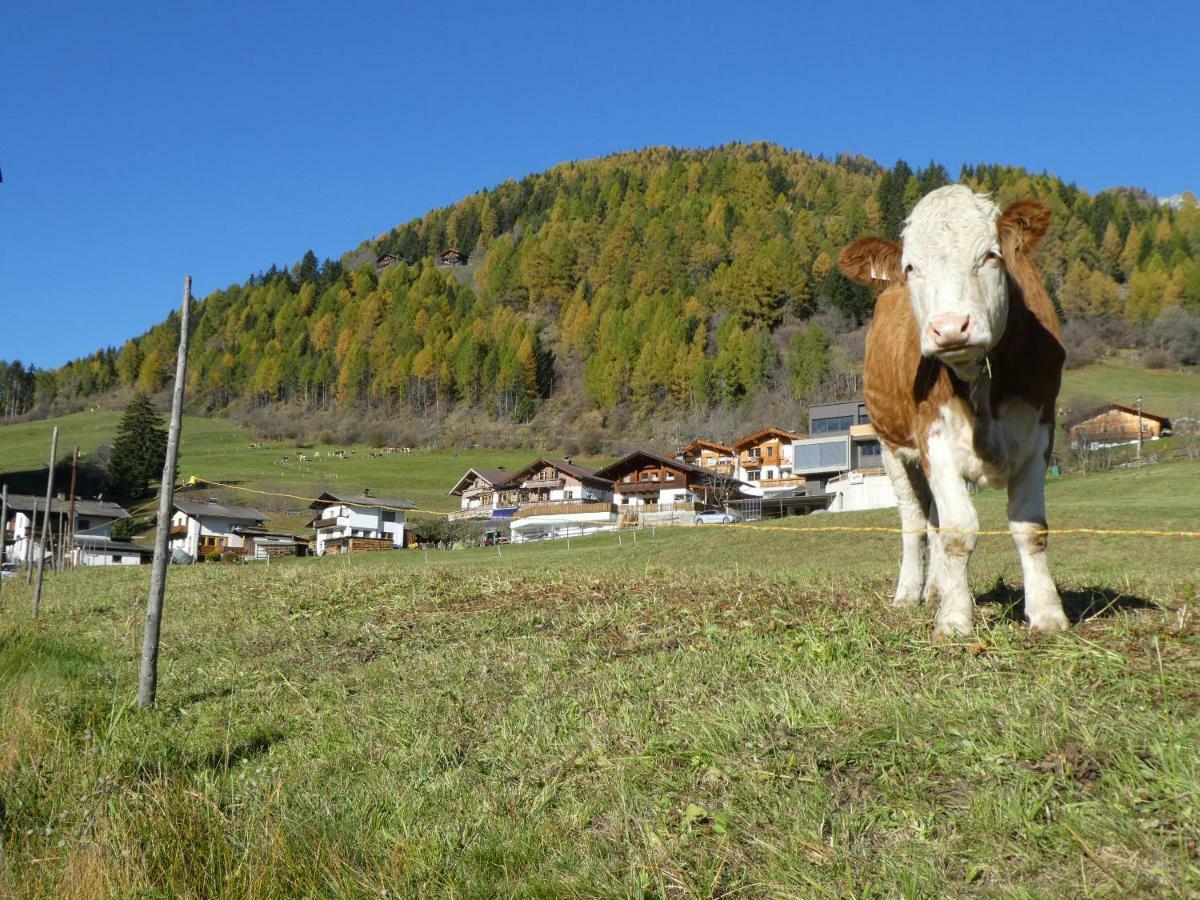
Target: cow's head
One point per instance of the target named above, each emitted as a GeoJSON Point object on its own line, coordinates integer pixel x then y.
{"type": "Point", "coordinates": [953, 255]}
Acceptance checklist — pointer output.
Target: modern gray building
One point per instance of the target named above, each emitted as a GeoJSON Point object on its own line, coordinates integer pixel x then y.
{"type": "Point", "coordinates": [840, 439]}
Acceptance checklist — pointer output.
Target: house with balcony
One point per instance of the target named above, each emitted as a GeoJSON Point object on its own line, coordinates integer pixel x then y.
{"type": "Point", "coordinates": [557, 498]}
{"type": "Point", "coordinates": [353, 523]}
{"type": "Point", "coordinates": [649, 488]}
{"type": "Point", "coordinates": [842, 457]}
{"type": "Point", "coordinates": [486, 494]}
{"type": "Point", "coordinates": [710, 456]}
{"type": "Point", "coordinates": [203, 527]}
{"type": "Point", "coordinates": [89, 538]}
{"type": "Point", "coordinates": [764, 462]}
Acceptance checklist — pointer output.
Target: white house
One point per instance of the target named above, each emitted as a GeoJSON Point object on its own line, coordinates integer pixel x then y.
{"type": "Point", "coordinates": [107, 552]}
{"type": "Point", "coordinates": [558, 498]}
{"type": "Point", "coordinates": [483, 492]}
{"type": "Point", "coordinates": [346, 523]}
{"type": "Point", "coordinates": [93, 526]}
{"type": "Point", "coordinates": [199, 528]}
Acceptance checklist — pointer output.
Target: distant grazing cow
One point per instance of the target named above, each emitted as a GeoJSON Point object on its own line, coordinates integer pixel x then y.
{"type": "Point", "coordinates": [964, 362]}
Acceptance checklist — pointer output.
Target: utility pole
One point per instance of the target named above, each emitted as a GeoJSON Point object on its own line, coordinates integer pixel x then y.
{"type": "Point", "coordinates": [148, 674]}
{"type": "Point", "coordinates": [71, 500]}
{"type": "Point", "coordinates": [1139, 409]}
{"type": "Point", "coordinates": [37, 585]}
{"type": "Point", "coordinates": [29, 544]}
{"type": "Point", "coordinates": [3, 530]}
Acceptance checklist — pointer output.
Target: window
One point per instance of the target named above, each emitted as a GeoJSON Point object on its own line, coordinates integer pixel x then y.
{"type": "Point", "coordinates": [116, 557]}
{"type": "Point", "coordinates": [832, 424]}
{"type": "Point", "coordinates": [628, 478]}
{"type": "Point", "coordinates": [568, 495]}
{"type": "Point", "coordinates": [389, 515]}
{"type": "Point", "coordinates": [754, 476]}
{"type": "Point", "coordinates": [670, 476]}
{"type": "Point", "coordinates": [82, 524]}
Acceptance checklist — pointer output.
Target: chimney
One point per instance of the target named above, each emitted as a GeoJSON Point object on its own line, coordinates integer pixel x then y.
{"type": "Point", "coordinates": [212, 499]}
{"type": "Point", "coordinates": [366, 492]}
{"type": "Point", "coordinates": [567, 460]}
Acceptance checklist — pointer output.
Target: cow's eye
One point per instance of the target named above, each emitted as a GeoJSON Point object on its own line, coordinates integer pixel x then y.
{"type": "Point", "coordinates": [991, 258]}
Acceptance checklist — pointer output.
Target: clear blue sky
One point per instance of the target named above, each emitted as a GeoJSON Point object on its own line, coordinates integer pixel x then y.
{"type": "Point", "coordinates": [142, 141]}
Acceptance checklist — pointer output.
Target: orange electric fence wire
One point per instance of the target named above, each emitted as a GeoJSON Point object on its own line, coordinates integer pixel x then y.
{"type": "Point", "coordinates": [840, 529]}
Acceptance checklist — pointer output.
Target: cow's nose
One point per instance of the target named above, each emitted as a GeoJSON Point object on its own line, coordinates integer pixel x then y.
{"type": "Point", "coordinates": [950, 332]}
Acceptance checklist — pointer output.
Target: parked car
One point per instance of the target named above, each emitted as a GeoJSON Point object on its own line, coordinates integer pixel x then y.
{"type": "Point", "coordinates": [716, 517]}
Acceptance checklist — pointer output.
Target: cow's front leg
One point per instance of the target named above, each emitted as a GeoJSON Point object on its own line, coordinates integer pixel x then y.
{"type": "Point", "coordinates": [1027, 524]}
{"type": "Point", "coordinates": [958, 533]}
{"type": "Point", "coordinates": [912, 499]}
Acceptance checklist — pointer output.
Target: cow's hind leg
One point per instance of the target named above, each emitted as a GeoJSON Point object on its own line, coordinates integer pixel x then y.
{"type": "Point", "coordinates": [1027, 524]}
{"type": "Point", "coordinates": [913, 500]}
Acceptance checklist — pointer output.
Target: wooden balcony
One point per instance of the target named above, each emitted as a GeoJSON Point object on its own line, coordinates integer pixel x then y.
{"type": "Point", "coordinates": [649, 487]}
{"type": "Point", "coordinates": [177, 531]}
{"type": "Point", "coordinates": [325, 523]}
{"type": "Point", "coordinates": [562, 508]}
{"type": "Point", "coordinates": [862, 432]}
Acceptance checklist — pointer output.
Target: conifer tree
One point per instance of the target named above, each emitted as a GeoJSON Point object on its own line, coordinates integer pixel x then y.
{"type": "Point", "coordinates": [138, 451]}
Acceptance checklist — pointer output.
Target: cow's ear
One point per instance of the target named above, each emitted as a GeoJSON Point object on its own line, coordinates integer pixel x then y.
{"type": "Point", "coordinates": [871, 260]}
{"type": "Point", "coordinates": [1023, 225]}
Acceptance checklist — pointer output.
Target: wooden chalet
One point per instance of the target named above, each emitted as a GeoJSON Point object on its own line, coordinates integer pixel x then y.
{"type": "Point", "coordinates": [452, 257]}
{"type": "Point", "coordinates": [199, 528]}
{"type": "Point", "coordinates": [385, 261]}
{"type": "Point", "coordinates": [645, 478]}
{"type": "Point", "coordinates": [1116, 423]}
{"type": "Point", "coordinates": [765, 458]}
{"type": "Point", "coordinates": [482, 492]}
{"type": "Point", "coordinates": [557, 481]}
{"type": "Point", "coordinates": [709, 455]}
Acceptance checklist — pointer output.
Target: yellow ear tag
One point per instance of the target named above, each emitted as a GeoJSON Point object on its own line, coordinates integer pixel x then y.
{"type": "Point", "coordinates": [987, 361]}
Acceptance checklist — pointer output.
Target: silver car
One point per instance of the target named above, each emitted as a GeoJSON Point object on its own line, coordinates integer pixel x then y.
{"type": "Point", "coordinates": [716, 517]}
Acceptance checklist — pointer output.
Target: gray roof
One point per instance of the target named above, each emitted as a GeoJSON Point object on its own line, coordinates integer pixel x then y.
{"type": "Point", "coordinates": [328, 498]}
{"type": "Point", "coordinates": [494, 477]}
{"type": "Point", "coordinates": [94, 508]}
{"type": "Point", "coordinates": [197, 508]}
{"type": "Point", "coordinates": [579, 472]}
{"type": "Point", "coordinates": [100, 544]}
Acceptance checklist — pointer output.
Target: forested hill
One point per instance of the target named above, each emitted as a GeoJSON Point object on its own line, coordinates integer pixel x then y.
{"type": "Point", "coordinates": [646, 279]}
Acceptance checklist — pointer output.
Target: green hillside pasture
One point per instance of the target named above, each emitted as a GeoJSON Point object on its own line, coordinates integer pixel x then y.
{"type": "Point", "coordinates": [717, 711]}
{"type": "Point", "coordinates": [1115, 380]}
{"type": "Point", "coordinates": [215, 450]}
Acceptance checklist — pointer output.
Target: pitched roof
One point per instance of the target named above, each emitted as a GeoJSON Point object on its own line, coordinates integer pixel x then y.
{"type": "Point", "coordinates": [494, 477]}
{"type": "Point", "coordinates": [93, 508]}
{"type": "Point", "coordinates": [611, 471]}
{"type": "Point", "coordinates": [579, 472]}
{"type": "Point", "coordinates": [701, 443]}
{"type": "Point", "coordinates": [328, 498]}
{"type": "Point", "coordinates": [196, 508]}
{"type": "Point", "coordinates": [1109, 407]}
{"type": "Point", "coordinates": [765, 434]}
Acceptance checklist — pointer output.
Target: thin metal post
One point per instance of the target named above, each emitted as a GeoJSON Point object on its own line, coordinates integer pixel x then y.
{"type": "Point", "coordinates": [37, 585]}
{"type": "Point", "coordinates": [29, 543]}
{"type": "Point", "coordinates": [1139, 442]}
{"type": "Point", "coordinates": [148, 673]}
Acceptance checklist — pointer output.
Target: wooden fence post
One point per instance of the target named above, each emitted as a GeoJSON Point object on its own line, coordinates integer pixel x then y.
{"type": "Point", "coordinates": [148, 674]}
{"type": "Point", "coordinates": [3, 529]}
{"type": "Point", "coordinates": [37, 585]}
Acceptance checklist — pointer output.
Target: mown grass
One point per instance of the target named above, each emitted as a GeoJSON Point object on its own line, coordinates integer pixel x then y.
{"type": "Point", "coordinates": [685, 712]}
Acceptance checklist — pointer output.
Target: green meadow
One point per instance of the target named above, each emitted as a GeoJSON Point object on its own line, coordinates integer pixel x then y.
{"type": "Point", "coordinates": [710, 712]}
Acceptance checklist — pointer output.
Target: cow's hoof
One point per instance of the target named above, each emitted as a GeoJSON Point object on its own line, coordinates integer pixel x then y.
{"type": "Point", "coordinates": [950, 629]}
{"type": "Point", "coordinates": [1050, 622]}
{"type": "Point", "coordinates": [906, 599]}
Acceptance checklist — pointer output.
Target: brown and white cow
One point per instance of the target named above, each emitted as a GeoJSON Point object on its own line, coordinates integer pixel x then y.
{"type": "Point", "coordinates": [964, 362]}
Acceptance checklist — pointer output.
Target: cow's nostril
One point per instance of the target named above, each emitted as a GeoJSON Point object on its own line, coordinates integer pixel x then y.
{"type": "Point", "coordinates": [950, 331]}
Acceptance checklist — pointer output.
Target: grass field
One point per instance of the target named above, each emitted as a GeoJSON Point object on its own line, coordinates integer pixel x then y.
{"type": "Point", "coordinates": [688, 712]}
{"type": "Point", "coordinates": [1120, 381]}
{"type": "Point", "coordinates": [215, 450]}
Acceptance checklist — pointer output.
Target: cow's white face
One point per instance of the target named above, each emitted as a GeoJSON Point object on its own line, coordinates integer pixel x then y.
{"type": "Point", "coordinates": [952, 263]}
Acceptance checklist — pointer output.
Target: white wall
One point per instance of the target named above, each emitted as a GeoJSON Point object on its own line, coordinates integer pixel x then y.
{"type": "Point", "coordinates": [97, 557]}
{"type": "Point", "coordinates": [360, 521]}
